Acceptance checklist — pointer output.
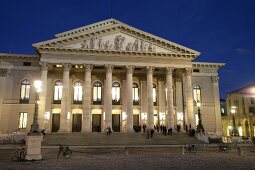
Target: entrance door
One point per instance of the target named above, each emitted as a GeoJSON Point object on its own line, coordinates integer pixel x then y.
{"type": "Point", "coordinates": [76, 127]}
{"type": "Point", "coordinates": [136, 123]}
{"type": "Point", "coordinates": [96, 122]}
{"type": "Point", "coordinates": [55, 122]}
{"type": "Point", "coordinates": [116, 122]}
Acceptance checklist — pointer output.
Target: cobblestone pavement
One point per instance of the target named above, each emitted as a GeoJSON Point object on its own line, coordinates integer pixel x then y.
{"type": "Point", "coordinates": [134, 159]}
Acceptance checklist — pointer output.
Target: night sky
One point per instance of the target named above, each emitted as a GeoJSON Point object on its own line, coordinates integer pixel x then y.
{"type": "Point", "coordinates": [223, 31]}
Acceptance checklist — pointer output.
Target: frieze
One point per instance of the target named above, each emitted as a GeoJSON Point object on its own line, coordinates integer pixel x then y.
{"type": "Point", "coordinates": [119, 42]}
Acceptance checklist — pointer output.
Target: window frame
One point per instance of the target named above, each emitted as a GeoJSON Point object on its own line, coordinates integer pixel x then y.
{"type": "Point", "coordinates": [59, 96]}
{"type": "Point", "coordinates": [23, 124]}
{"type": "Point", "coordinates": [27, 86]}
{"type": "Point", "coordinates": [196, 96]}
{"type": "Point", "coordinates": [134, 91]}
{"type": "Point", "coordinates": [97, 85]}
{"type": "Point", "coordinates": [116, 89]}
{"type": "Point", "coordinates": [78, 98]}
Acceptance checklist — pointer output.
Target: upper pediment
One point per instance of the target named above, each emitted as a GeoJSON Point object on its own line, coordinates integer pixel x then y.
{"type": "Point", "coordinates": [112, 35]}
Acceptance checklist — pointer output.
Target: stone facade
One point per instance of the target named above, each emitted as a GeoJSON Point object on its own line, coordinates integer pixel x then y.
{"type": "Point", "coordinates": [105, 53]}
{"type": "Point", "coordinates": [241, 110]}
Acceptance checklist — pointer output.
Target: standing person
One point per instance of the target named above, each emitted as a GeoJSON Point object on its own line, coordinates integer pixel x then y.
{"type": "Point", "coordinates": [110, 130]}
{"type": "Point", "coordinates": [170, 131]}
{"type": "Point", "coordinates": [107, 131]}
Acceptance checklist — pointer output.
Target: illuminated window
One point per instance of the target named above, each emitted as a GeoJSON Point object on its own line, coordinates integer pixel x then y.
{"type": "Point", "coordinates": [135, 94]}
{"type": "Point", "coordinates": [22, 120]}
{"type": "Point", "coordinates": [97, 92]}
{"type": "Point", "coordinates": [77, 97]}
{"type": "Point", "coordinates": [196, 93]}
{"type": "Point", "coordinates": [154, 94]}
{"type": "Point", "coordinates": [25, 91]}
{"type": "Point", "coordinates": [116, 93]}
{"type": "Point", "coordinates": [58, 92]}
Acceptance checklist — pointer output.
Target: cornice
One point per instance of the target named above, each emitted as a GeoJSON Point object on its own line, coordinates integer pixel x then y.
{"type": "Point", "coordinates": [207, 65]}
{"type": "Point", "coordinates": [22, 57]}
{"type": "Point", "coordinates": [114, 52]}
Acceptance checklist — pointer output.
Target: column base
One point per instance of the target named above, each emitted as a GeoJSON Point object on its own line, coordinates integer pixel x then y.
{"type": "Point", "coordinates": [33, 147]}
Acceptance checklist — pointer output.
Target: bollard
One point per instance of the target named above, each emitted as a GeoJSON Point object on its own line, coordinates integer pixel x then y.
{"type": "Point", "coordinates": [240, 151]}
{"type": "Point", "coordinates": [182, 150]}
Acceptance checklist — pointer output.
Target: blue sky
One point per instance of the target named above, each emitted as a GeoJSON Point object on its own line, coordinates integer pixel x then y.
{"type": "Point", "coordinates": [222, 30]}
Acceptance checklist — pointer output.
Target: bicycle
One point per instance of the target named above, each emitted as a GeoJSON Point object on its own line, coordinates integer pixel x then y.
{"type": "Point", "coordinates": [190, 148]}
{"type": "Point", "coordinates": [67, 153]}
{"type": "Point", "coordinates": [19, 154]}
{"type": "Point", "coordinates": [224, 148]}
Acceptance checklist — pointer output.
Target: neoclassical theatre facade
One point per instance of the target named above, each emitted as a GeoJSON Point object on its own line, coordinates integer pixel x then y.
{"type": "Point", "coordinates": [108, 74]}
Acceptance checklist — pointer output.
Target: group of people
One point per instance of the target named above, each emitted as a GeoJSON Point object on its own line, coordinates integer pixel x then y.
{"type": "Point", "coordinates": [108, 131]}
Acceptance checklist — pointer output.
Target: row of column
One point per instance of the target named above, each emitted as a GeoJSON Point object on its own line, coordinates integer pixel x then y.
{"type": "Point", "coordinates": [86, 125]}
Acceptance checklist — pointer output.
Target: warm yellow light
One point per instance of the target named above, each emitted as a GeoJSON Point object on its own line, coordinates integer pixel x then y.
{"type": "Point", "coordinates": [198, 104]}
{"type": "Point", "coordinates": [233, 111]}
{"type": "Point", "coordinates": [38, 85]}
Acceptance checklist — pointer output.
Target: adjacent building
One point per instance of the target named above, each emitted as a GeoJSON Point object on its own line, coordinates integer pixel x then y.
{"type": "Point", "coordinates": [241, 112]}
{"type": "Point", "coordinates": [108, 74]}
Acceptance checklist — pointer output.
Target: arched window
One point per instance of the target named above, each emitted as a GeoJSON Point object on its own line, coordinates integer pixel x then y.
{"type": "Point", "coordinates": [77, 95]}
{"type": "Point", "coordinates": [58, 92]}
{"type": "Point", "coordinates": [25, 91]}
{"type": "Point", "coordinates": [115, 93]}
{"type": "Point", "coordinates": [196, 93]}
{"type": "Point", "coordinates": [154, 94]}
{"type": "Point", "coordinates": [97, 92]}
{"type": "Point", "coordinates": [135, 94]}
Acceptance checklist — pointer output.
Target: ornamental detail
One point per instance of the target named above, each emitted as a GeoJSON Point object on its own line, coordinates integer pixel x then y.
{"type": "Point", "coordinates": [109, 68]}
{"type": "Point", "coordinates": [3, 72]}
{"type": "Point", "coordinates": [178, 77]}
{"type": "Point", "coordinates": [150, 69]}
{"type": "Point", "coordinates": [67, 66]}
{"type": "Point", "coordinates": [44, 66]}
{"type": "Point", "coordinates": [88, 67]}
{"type": "Point", "coordinates": [188, 71]}
{"type": "Point", "coordinates": [215, 79]}
{"type": "Point", "coordinates": [130, 69]}
{"type": "Point", "coordinates": [118, 42]}
{"type": "Point", "coordinates": [169, 70]}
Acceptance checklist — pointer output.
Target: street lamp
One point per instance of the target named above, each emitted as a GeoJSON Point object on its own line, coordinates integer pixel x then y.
{"type": "Point", "coordinates": [199, 126]}
{"type": "Point", "coordinates": [235, 131]}
{"type": "Point", "coordinates": [35, 126]}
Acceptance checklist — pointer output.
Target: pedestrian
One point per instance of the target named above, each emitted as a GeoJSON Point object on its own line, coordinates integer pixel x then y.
{"type": "Point", "coordinates": [107, 131]}
{"type": "Point", "coordinates": [152, 131]}
{"type": "Point", "coordinates": [170, 131]}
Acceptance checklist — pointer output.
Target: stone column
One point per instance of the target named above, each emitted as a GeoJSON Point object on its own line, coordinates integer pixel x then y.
{"type": "Point", "coordinates": [217, 113]}
{"type": "Point", "coordinates": [108, 96]}
{"type": "Point", "coordinates": [42, 96]}
{"type": "Point", "coordinates": [189, 99]}
{"type": "Point", "coordinates": [150, 114]}
{"type": "Point", "coordinates": [86, 123]}
{"type": "Point", "coordinates": [3, 74]}
{"type": "Point", "coordinates": [179, 97]}
{"type": "Point", "coordinates": [65, 105]}
{"type": "Point", "coordinates": [129, 98]}
{"type": "Point", "coordinates": [170, 102]}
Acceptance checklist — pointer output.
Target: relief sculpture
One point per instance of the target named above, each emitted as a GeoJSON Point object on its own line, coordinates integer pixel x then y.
{"type": "Point", "coordinates": [118, 42]}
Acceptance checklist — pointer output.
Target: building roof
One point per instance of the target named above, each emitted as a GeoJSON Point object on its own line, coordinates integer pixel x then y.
{"type": "Point", "coordinates": [248, 90]}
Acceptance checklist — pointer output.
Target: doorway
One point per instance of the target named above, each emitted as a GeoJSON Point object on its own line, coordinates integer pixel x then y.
{"type": "Point", "coordinates": [55, 122]}
{"type": "Point", "coordinates": [96, 122]}
{"type": "Point", "coordinates": [76, 126]}
{"type": "Point", "coordinates": [116, 122]}
{"type": "Point", "coordinates": [136, 126]}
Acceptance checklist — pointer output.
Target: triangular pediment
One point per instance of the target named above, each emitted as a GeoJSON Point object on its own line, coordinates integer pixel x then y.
{"type": "Point", "coordinates": [112, 35]}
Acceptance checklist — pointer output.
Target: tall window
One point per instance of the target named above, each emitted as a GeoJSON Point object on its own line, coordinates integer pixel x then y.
{"type": "Point", "coordinates": [135, 94]}
{"type": "Point", "coordinates": [115, 93]}
{"type": "Point", "coordinates": [154, 94]}
{"type": "Point", "coordinates": [58, 92]}
{"type": "Point", "coordinates": [25, 91]}
{"type": "Point", "coordinates": [252, 100]}
{"type": "Point", "coordinates": [22, 120]}
{"type": "Point", "coordinates": [97, 92]}
{"type": "Point", "coordinates": [197, 93]}
{"type": "Point", "coordinates": [77, 96]}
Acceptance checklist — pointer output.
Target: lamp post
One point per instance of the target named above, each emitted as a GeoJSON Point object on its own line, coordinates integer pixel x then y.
{"type": "Point", "coordinates": [34, 138]}
{"type": "Point", "coordinates": [233, 111]}
{"type": "Point", "coordinates": [35, 126]}
{"type": "Point", "coordinates": [199, 126]}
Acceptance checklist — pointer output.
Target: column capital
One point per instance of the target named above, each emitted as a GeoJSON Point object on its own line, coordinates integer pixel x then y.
{"type": "Point", "coordinates": [188, 71]}
{"type": "Point", "coordinates": [150, 69]}
{"type": "Point", "coordinates": [44, 65]}
{"type": "Point", "coordinates": [3, 72]}
{"type": "Point", "coordinates": [130, 68]}
{"type": "Point", "coordinates": [178, 77]}
{"type": "Point", "coordinates": [169, 70]}
{"type": "Point", "coordinates": [215, 79]}
{"type": "Point", "coordinates": [88, 67]}
{"type": "Point", "coordinates": [67, 66]}
{"type": "Point", "coordinates": [109, 67]}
